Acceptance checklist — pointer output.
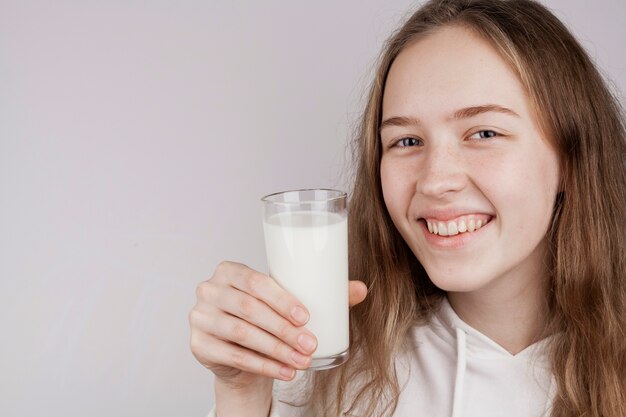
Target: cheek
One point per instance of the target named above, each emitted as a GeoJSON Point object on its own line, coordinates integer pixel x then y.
{"type": "Point", "coordinates": [548, 184]}
{"type": "Point", "coordinates": [552, 174]}
{"type": "Point", "coordinates": [539, 179]}
{"type": "Point", "coordinates": [524, 192]}
{"type": "Point", "coordinates": [396, 184]}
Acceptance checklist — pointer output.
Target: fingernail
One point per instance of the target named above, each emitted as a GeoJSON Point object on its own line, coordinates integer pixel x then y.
{"type": "Point", "coordinates": [299, 315]}
{"type": "Point", "coordinates": [287, 373]}
{"type": "Point", "coordinates": [307, 342]}
{"type": "Point", "coordinates": [299, 358]}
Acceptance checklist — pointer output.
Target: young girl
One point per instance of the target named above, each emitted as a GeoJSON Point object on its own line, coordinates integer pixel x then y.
{"type": "Point", "coordinates": [487, 227]}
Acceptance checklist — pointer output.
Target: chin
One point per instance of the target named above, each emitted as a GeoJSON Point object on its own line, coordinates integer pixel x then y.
{"type": "Point", "coordinates": [457, 282]}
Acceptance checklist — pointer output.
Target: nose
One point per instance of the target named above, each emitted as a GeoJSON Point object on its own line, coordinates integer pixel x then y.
{"type": "Point", "coordinates": [442, 173]}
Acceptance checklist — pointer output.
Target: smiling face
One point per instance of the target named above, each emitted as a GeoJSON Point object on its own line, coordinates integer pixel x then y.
{"type": "Point", "coordinates": [468, 178]}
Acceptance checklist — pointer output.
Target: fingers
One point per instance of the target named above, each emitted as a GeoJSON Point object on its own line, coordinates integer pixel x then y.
{"type": "Point", "coordinates": [357, 292]}
{"type": "Point", "coordinates": [264, 288]}
{"type": "Point", "coordinates": [259, 314]}
{"type": "Point", "coordinates": [222, 358]}
{"type": "Point", "coordinates": [243, 322]}
{"type": "Point", "coordinates": [235, 330]}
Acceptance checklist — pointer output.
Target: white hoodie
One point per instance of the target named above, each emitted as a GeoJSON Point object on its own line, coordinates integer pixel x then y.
{"type": "Point", "coordinates": [454, 370]}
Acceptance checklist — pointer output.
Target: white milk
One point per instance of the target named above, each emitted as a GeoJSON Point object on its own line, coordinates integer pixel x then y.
{"type": "Point", "coordinates": [307, 254]}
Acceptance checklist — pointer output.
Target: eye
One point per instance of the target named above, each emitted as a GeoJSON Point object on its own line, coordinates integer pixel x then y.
{"type": "Point", "coordinates": [484, 134]}
{"type": "Point", "coordinates": [406, 142]}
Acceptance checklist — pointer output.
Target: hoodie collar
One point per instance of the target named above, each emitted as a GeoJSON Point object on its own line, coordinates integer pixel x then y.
{"type": "Point", "coordinates": [446, 323]}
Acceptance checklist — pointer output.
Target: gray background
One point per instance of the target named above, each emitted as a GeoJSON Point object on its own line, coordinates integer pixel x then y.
{"type": "Point", "coordinates": [135, 140]}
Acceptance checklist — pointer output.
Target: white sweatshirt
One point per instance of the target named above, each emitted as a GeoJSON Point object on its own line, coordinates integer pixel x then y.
{"type": "Point", "coordinates": [454, 370]}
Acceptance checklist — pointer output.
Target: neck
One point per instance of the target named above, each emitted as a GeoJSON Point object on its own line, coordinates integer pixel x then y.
{"type": "Point", "coordinates": [512, 311]}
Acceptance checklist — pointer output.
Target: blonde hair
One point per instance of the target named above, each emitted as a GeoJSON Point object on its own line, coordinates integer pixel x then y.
{"type": "Point", "coordinates": [587, 296]}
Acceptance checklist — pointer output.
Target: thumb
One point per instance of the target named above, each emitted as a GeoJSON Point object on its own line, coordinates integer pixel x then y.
{"type": "Point", "coordinates": [357, 291]}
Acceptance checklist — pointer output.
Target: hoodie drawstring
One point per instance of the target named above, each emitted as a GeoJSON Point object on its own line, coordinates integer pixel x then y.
{"type": "Point", "coordinates": [461, 346]}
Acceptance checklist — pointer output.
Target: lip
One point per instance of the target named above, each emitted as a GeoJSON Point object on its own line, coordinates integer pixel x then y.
{"type": "Point", "coordinates": [453, 242]}
{"type": "Point", "coordinates": [446, 214]}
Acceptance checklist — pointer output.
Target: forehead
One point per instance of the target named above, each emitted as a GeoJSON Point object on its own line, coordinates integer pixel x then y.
{"type": "Point", "coordinates": [449, 69]}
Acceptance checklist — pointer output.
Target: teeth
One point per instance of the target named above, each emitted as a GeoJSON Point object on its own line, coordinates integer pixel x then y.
{"type": "Point", "coordinates": [452, 228]}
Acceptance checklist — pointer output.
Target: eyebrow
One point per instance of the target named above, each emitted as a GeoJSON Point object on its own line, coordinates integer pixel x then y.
{"type": "Point", "coordinates": [464, 113]}
{"type": "Point", "coordinates": [476, 110]}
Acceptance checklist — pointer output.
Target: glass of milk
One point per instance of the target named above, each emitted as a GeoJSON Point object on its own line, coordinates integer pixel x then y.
{"type": "Point", "coordinates": [306, 240]}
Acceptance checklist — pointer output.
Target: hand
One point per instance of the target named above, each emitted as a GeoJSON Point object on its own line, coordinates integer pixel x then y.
{"type": "Point", "coordinates": [248, 330]}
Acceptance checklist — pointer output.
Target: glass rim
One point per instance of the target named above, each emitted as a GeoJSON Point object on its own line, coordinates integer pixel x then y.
{"type": "Point", "coordinates": [267, 198]}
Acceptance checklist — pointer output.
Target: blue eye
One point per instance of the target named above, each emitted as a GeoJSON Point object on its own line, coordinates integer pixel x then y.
{"type": "Point", "coordinates": [484, 134]}
{"type": "Point", "coordinates": [406, 142]}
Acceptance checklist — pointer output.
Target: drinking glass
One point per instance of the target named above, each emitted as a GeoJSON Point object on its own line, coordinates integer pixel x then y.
{"type": "Point", "coordinates": [306, 240]}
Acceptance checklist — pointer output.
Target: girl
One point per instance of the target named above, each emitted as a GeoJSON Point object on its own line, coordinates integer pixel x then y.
{"type": "Point", "coordinates": [487, 227]}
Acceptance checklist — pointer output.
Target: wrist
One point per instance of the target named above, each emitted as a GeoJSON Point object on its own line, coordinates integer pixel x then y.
{"type": "Point", "coordinates": [253, 400]}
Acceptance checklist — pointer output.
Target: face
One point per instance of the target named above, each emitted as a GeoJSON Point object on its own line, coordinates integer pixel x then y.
{"type": "Point", "coordinates": [468, 178]}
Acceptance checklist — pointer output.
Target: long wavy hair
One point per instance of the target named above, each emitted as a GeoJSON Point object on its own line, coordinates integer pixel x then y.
{"type": "Point", "coordinates": [587, 295]}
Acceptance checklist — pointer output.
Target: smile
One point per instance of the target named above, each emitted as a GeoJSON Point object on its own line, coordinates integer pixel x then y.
{"type": "Point", "coordinates": [462, 224]}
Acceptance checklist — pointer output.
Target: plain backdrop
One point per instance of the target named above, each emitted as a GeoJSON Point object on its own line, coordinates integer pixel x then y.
{"type": "Point", "coordinates": [136, 138]}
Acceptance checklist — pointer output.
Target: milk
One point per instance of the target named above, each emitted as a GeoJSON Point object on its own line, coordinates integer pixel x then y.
{"type": "Point", "coordinates": [307, 254]}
